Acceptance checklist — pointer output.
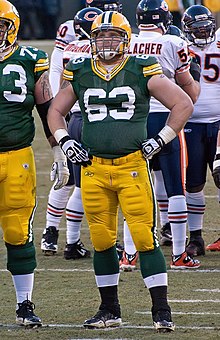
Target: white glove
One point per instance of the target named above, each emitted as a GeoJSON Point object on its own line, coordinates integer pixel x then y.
{"type": "Point", "coordinates": [59, 170]}
{"type": "Point", "coordinates": [74, 151]}
{"type": "Point", "coordinates": [152, 146]}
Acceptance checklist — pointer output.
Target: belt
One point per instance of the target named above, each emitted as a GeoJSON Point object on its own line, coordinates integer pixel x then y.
{"type": "Point", "coordinates": [118, 161]}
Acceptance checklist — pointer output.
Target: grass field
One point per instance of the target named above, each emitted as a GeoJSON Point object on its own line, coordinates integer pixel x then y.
{"type": "Point", "coordinates": [65, 293]}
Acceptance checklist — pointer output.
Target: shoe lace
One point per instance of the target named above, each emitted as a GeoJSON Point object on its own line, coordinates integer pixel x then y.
{"type": "Point", "coordinates": [51, 235]}
{"type": "Point", "coordinates": [104, 315]}
{"type": "Point", "coordinates": [27, 306]}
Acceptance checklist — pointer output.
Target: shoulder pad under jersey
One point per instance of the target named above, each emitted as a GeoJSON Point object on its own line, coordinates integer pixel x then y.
{"type": "Point", "coordinates": [145, 60]}
{"type": "Point", "coordinates": [76, 63]}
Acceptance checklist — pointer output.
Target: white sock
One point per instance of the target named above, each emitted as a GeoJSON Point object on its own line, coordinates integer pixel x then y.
{"type": "Point", "coordinates": [161, 196]}
{"type": "Point", "coordinates": [23, 286]}
{"type": "Point", "coordinates": [129, 246]}
{"type": "Point", "coordinates": [196, 209]}
{"type": "Point", "coordinates": [74, 216]}
{"type": "Point", "coordinates": [56, 205]}
{"type": "Point", "coordinates": [177, 214]}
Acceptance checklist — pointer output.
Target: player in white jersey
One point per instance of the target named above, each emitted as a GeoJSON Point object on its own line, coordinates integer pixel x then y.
{"type": "Point", "coordinates": [202, 128]}
{"type": "Point", "coordinates": [153, 19]}
{"type": "Point", "coordinates": [65, 35]}
{"type": "Point", "coordinates": [58, 199]}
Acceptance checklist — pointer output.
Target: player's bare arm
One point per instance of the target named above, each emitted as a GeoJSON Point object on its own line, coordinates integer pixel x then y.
{"type": "Point", "coordinates": [60, 106]}
{"type": "Point", "coordinates": [174, 98]}
{"type": "Point", "coordinates": [43, 92]}
{"type": "Point", "coordinates": [189, 85]}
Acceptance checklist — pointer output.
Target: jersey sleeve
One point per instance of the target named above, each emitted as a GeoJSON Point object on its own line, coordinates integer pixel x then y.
{"type": "Point", "coordinates": [180, 48]}
{"type": "Point", "coordinates": [72, 66]}
{"type": "Point", "coordinates": [151, 66]}
{"type": "Point", "coordinates": [65, 35]}
{"type": "Point", "coordinates": [56, 70]}
{"type": "Point", "coordinates": [42, 64]}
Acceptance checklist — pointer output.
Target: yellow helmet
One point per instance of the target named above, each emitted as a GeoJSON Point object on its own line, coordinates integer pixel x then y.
{"type": "Point", "coordinates": [115, 22]}
{"type": "Point", "coordinates": [8, 16]}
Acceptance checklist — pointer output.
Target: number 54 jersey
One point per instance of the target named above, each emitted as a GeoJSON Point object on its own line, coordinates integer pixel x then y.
{"type": "Point", "coordinates": [18, 75]}
{"type": "Point", "coordinates": [114, 103]}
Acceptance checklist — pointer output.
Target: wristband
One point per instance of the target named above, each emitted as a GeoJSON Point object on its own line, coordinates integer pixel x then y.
{"type": "Point", "coordinates": [59, 134]}
{"type": "Point", "coordinates": [218, 150]}
{"type": "Point", "coordinates": [167, 134]}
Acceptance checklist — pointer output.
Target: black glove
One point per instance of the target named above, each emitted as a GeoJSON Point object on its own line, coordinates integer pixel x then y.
{"type": "Point", "coordinates": [152, 146]}
{"type": "Point", "coordinates": [216, 170]}
{"type": "Point", "coordinates": [74, 151]}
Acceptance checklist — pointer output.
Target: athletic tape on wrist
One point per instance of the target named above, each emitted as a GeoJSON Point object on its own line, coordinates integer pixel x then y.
{"type": "Point", "coordinates": [167, 134]}
{"type": "Point", "coordinates": [59, 134]}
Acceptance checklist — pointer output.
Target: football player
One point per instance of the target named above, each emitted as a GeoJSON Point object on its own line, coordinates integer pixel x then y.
{"type": "Point", "coordinates": [202, 128]}
{"type": "Point", "coordinates": [24, 83]}
{"type": "Point", "coordinates": [58, 199]}
{"type": "Point", "coordinates": [215, 246]}
{"type": "Point", "coordinates": [153, 20]}
{"type": "Point", "coordinates": [74, 248]}
{"type": "Point", "coordinates": [114, 92]}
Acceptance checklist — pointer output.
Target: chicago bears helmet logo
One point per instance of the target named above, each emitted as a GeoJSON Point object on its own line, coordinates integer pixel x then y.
{"type": "Point", "coordinates": [90, 16]}
{"type": "Point", "coordinates": [164, 6]}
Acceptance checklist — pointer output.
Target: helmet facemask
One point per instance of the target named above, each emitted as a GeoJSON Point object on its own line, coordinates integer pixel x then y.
{"type": "Point", "coordinates": [201, 32]}
{"type": "Point", "coordinates": [105, 47]}
{"type": "Point", "coordinates": [6, 28]}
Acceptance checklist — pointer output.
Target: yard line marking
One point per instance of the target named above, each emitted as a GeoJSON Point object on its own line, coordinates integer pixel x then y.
{"type": "Point", "coordinates": [216, 290]}
{"type": "Point", "coordinates": [181, 313]}
{"type": "Point", "coordinates": [124, 326]}
{"type": "Point", "coordinates": [193, 301]}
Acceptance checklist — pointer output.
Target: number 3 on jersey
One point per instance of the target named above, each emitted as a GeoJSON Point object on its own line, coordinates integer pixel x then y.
{"type": "Point", "coordinates": [98, 112]}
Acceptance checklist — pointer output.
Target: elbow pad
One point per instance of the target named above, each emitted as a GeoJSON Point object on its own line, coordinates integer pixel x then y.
{"type": "Point", "coordinates": [195, 70]}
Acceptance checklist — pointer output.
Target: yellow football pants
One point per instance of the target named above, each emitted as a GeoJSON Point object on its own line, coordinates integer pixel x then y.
{"type": "Point", "coordinates": [17, 195]}
{"type": "Point", "coordinates": [123, 181]}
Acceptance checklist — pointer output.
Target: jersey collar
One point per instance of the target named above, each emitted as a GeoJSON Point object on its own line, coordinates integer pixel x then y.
{"type": "Point", "coordinates": [101, 72]}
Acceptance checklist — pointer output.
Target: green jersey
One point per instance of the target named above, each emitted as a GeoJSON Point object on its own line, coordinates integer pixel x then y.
{"type": "Point", "coordinates": [114, 104]}
{"type": "Point", "coordinates": [18, 74]}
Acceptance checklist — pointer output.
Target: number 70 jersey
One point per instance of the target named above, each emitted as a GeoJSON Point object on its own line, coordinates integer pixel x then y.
{"type": "Point", "coordinates": [114, 104]}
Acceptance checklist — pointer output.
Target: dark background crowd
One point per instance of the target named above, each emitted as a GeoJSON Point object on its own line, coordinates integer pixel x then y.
{"type": "Point", "coordinates": [41, 18]}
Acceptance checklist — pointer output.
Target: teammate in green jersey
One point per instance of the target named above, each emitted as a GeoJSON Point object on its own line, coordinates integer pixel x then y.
{"type": "Point", "coordinates": [23, 83]}
{"type": "Point", "coordinates": [114, 92]}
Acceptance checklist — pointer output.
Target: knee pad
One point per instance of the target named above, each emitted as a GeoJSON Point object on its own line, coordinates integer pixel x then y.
{"type": "Point", "coordinates": [21, 259]}
{"type": "Point", "coordinates": [13, 232]}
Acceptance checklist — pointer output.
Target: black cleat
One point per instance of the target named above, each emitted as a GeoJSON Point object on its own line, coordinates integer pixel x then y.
{"type": "Point", "coordinates": [166, 236]}
{"type": "Point", "coordinates": [76, 251]}
{"type": "Point", "coordinates": [103, 319]}
{"type": "Point", "coordinates": [25, 315]}
{"type": "Point", "coordinates": [162, 321]}
{"type": "Point", "coordinates": [196, 246]}
{"type": "Point", "coordinates": [49, 241]}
